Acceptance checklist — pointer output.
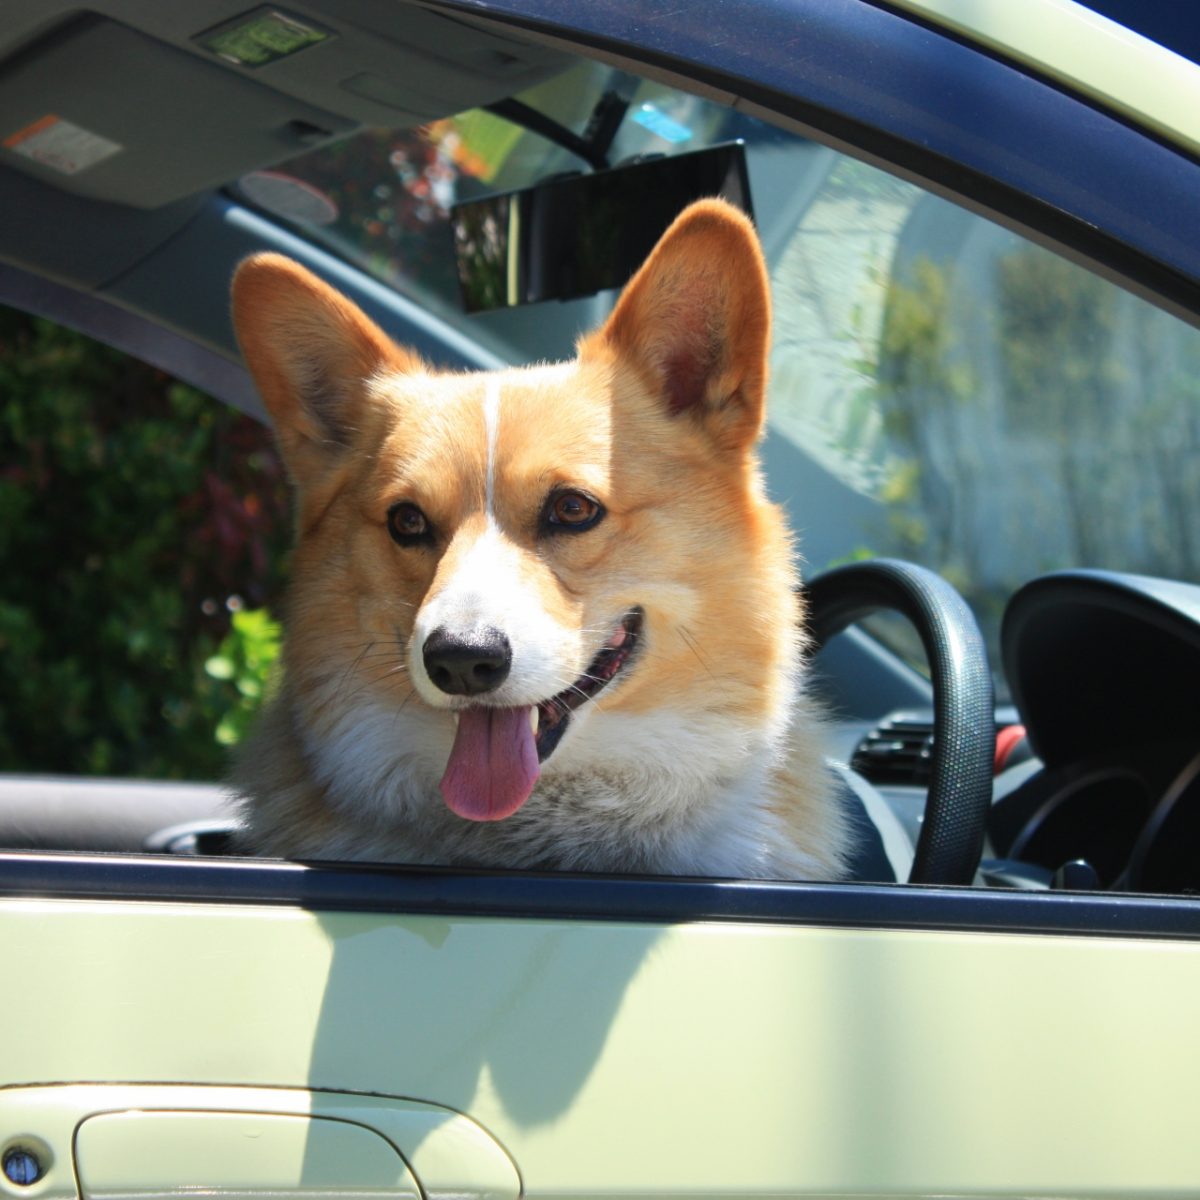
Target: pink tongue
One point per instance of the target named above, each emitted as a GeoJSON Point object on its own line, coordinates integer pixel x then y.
{"type": "Point", "coordinates": [493, 763]}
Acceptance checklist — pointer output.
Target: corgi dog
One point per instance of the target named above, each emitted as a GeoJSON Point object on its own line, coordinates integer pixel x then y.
{"type": "Point", "coordinates": [541, 617]}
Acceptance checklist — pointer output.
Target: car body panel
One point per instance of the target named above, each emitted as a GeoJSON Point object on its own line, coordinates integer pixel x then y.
{"type": "Point", "coordinates": [147, 1139]}
{"type": "Point", "coordinates": [626, 1059]}
{"type": "Point", "coordinates": [1087, 52]}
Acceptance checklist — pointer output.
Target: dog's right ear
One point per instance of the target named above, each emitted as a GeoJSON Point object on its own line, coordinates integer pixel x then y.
{"type": "Point", "coordinates": [311, 352]}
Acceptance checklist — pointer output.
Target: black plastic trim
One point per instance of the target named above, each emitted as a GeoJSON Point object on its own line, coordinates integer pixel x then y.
{"type": "Point", "coordinates": [1078, 701]}
{"type": "Point", "coordinates": [128, 331]}
{"type": "Point", "coordinates": [431, 891]}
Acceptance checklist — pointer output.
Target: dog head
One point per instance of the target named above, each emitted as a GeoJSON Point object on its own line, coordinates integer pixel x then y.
{"type": "Point", "coordinates": [539, 570]}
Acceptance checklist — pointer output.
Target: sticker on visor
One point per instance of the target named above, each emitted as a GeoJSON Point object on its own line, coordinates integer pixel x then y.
{"type": "Point", "coordinates": [61, 145]}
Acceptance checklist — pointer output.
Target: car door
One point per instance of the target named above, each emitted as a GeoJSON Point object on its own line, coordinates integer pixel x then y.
{"type": "Point", "coordinates": [499, 1035]}
{"type": "Point", "coordinates": [180, 1025]}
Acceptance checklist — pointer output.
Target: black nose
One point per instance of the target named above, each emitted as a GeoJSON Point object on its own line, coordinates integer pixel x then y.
{"type": "Point", "coordinates": [467, 664]}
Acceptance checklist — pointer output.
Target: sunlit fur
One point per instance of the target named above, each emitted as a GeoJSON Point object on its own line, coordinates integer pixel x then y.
{"type": "Point", "coordinates": [703, 755]}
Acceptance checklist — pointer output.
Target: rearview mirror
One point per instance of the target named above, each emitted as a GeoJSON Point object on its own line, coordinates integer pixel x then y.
{"type": "Point", "coordinates": [577, 235]}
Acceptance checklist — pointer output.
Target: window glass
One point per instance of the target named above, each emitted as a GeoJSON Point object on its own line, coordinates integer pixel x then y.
{"type": "Point", "coordinates": [1002, 411]}
{"type": "Point", "coordinates": [392, 190]}
{"type": "Point", "coordinates": [943, 389]}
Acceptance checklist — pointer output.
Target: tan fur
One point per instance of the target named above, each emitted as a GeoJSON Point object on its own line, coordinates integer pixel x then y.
{"type": "Point", "coordinates": [703, 755]}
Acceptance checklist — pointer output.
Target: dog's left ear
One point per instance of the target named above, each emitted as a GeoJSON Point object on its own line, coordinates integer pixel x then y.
{"type": "Point", "coordinates": [696, 317]}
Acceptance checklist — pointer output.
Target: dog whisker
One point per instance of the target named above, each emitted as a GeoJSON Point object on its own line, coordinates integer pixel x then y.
{"type": "Point", "coordinates": [381, 671]}
{"type": "Point", "coordinates": [588, 697]}
{"type": "Point", "coordinates": [388, 651]}
{"type": "Point", "coordinates": [351, 667]}
{"type": "Point", "coordinates": [377, 674]}
{"type": "Point", "coordinates": [690, 642]}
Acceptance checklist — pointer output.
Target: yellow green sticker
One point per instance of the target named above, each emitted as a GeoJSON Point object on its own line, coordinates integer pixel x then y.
{"type": "Point", "coordinates": [261, 38]}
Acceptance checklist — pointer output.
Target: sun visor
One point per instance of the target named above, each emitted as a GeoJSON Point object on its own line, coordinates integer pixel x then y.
{"type": "Point", "coordinates": [106, 112]}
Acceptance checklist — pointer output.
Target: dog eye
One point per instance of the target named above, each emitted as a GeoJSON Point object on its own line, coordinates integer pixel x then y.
{"type": "Point", "coordinates": [571, 512]}
{"type": "Point", "coordinates": [408, 525]}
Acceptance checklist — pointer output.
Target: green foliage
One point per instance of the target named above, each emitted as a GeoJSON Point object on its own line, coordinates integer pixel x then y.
{"type": "Point", "coordinates": [135, 515]}
{"type": "Point", "coordinates": [245, 659]}
{"type": "Point", "coordinates": [919, 342]}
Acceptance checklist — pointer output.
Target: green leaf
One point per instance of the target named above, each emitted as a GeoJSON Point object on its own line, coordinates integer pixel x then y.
{"type": "Point", "coordinates": [219, 667]}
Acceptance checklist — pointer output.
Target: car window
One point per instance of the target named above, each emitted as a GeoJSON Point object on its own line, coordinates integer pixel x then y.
{"type": "Point", "coordinates": [143, 543]}
{"type": "Point", "coordinates": [388, 192]}
{"type": "Point", "coordinates": [1003, 411]}
{"type": "Point", "coordinates": [944, 390]}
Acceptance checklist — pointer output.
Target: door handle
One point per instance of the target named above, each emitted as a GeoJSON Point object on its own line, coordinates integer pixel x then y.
{"type": "Point", "coordinates": [146, 1155]}
{"type": "Point", "coordinates": [149, 1142]}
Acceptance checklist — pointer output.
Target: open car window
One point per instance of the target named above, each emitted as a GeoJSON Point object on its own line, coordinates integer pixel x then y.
{"type": "Point", "coordinates": [944, 389]}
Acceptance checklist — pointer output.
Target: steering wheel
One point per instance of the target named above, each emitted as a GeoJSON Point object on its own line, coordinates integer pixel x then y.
{"type": "Point", "coordinates": [964, 731]}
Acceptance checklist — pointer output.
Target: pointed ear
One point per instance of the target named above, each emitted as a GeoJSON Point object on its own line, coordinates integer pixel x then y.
{"type": "Point", "coordinates": [310, 351]}
{"type": "Point", "coordinates": [697, 317]}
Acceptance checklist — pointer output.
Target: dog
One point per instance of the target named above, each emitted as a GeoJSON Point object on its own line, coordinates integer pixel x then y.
{"type": "Point", "coordinates": [543, 617]}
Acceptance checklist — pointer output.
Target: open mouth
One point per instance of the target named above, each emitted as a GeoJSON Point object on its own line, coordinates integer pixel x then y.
{"type": "Point", "coordinates": [554, 715]}
{"type": "Point", "coordinates": [497, 752]}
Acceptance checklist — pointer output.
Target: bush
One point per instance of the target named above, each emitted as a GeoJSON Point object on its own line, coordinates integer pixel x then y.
{"type": "Point", "coordinates": [137, 517]}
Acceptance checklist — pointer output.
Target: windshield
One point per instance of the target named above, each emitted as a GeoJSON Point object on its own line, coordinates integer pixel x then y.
{"type": "Point", "coordinates": [942, 389]}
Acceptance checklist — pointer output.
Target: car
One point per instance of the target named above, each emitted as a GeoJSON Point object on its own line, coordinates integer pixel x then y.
{"type": "Point", "coordinates": [982, 225]}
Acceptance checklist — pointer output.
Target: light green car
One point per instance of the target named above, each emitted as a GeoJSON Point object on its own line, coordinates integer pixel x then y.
{"type": "Point", "coordinates": [982, 223]}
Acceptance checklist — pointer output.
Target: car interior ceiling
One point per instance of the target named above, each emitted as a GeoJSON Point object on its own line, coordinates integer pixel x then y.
{"type": "Point", "coordinates": [188, 120]}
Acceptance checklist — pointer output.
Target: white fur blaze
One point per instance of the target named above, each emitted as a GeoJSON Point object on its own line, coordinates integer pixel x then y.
{"type": "Point", "coordinates": [488, 590]}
